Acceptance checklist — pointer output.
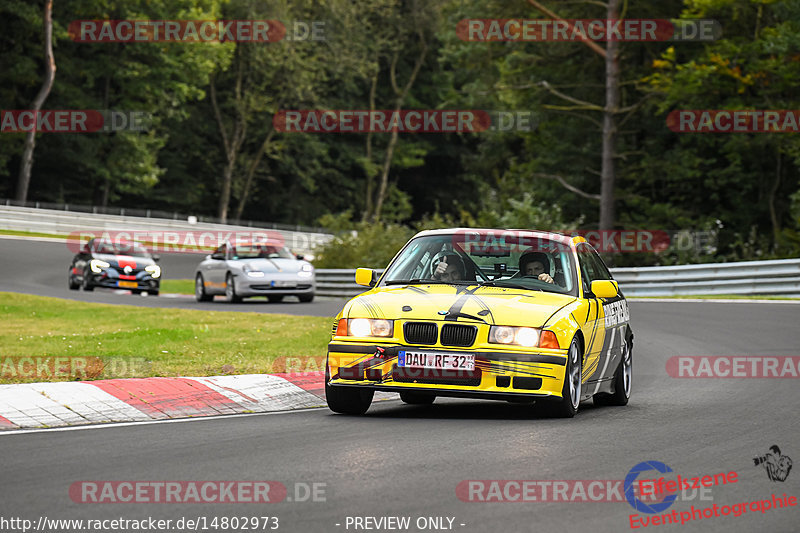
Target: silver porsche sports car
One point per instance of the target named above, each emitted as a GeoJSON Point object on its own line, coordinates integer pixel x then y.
{"type": "Point", "coordinates": [239, 270]}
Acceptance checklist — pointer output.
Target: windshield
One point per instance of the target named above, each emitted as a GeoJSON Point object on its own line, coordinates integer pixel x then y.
{"type": "Point", "coordinates": [121, 248]}
{"type": "Point", "coordinates": [513, 259]}
{"type": "Point", "coordinates": [260, 251]}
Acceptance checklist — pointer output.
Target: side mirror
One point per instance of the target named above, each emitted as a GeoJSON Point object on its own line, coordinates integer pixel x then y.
{"type": "Point", "coordinates": [603, 288]}
{"type": "Point", "coordinates": [156, 257]}
{"type": "Point", "coordinates": [365, 277]}
{"type": "Point", "coordinates": [299, 257]}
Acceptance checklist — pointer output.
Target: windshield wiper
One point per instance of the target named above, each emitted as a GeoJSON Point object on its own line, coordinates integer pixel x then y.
{"type": "Point", "coordinates": [507, 284]}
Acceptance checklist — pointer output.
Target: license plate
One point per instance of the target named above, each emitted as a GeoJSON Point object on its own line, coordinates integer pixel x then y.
{"type": "Point", "coordinates": [127, 284]}
{"type": "Point", "coordinates": [436, 361]}
{"type": "Point", "coordinates": [284, 284]}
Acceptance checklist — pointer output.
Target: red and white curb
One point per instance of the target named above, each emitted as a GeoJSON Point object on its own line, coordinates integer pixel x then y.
{"type": "Point", "coordinates": [46, 405]}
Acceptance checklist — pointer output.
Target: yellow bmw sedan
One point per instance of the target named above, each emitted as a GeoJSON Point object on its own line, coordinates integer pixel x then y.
{"type": "Point", "coordinates": [513, 315]}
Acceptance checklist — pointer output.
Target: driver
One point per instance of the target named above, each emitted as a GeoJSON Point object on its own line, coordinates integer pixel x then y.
{"type": "Point", "coordinates": [536, 264]}
{"type": "Point", "coordinates": [450, 268]}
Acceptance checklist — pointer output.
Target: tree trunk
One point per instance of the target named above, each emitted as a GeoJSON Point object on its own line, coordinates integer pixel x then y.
{"type": "Point", "coordinates": [238, 135]}
{"type": "Point", "coordinates": [368, 206]}
{"type": "Point", "coordinates": [251, 171]}
{"type": "Point", "coordinates": [24, 179]}
{"type": "Point", "coordinates": [607, 172]}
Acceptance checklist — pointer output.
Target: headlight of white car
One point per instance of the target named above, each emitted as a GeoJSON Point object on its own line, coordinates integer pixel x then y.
{"type": "Point", "coordinates": [306, 271]}
{"type": "Point", "coordinates": [154, 270]}
{"type": "Point", "coordinates": [251, 272]}
{"type": "Point", "coordinates": [97, 265]}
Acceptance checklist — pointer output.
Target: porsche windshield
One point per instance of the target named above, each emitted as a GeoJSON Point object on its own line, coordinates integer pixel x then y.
{"type": "Point", "coordinates": [260, 251]}
{"type": "Point", "coordinates": [507, 259]}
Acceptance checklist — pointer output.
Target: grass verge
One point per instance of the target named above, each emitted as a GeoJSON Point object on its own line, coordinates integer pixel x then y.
{"type": "Point", "coordinates": [110, 341]}
{"type": "Point", "coordinates": [177, 286]}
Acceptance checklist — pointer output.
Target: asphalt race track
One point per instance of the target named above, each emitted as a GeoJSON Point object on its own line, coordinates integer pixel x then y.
{"type": "Point", "coordinates": [36, 267]}
{"type": "Point", "coordinates": [408, 461]}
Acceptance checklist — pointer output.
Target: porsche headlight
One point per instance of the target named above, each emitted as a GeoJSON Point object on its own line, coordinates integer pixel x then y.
{"type": "Point", "coordinates": [522, 336]}
{"type": "Point", "coordinates": [247, 269]}
{"type": "Point", "coordinates": [153, 270]}
{"type": "Point", "coordinates": [97, 265]}
{"type": "Point", "coordinates": [369, 327]}
{"type": "Point", "coordinates": [305, 271]}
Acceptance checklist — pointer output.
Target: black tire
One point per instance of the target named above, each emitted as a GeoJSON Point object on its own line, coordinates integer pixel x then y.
{"type": "Point", "coordinates": [346, 400]}
{"type": "Point", "coordinates": [417, 398]}
{"type": "Point", "coordinates": [73, 285]}
{"type": "Point", "coordinates": [306, 298]}
{"type": "Point", "coordinates": [230, 291]}
{"type": "Point", "coordinates": [572, 390]}
{"type": "Point", "coordinates": [86, 284]}
{"type": "Point", "coordinates": [136, 291]}
{"type": "Point", "coordinates": [622, 381]}
{"type": "Point", "coordinates": [153, 293]}
{"type": "Point", "coordinates": [276, 298]}
{"type": "Point", "coordinates": [200, 293]}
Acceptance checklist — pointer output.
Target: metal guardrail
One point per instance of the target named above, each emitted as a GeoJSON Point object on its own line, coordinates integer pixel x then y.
{"type": "Point", "coordinates": [769, 278]}
{"type": "Point", "coordinates": [65, 222]}
{"type": "Point", "coordinates": [156, 214]}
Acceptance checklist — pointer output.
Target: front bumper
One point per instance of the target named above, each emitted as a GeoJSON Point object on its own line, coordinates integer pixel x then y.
{"type": "Point", "coordinates": [498, 374]}
{"type": "Point", "coordinates": [112, 280]}
{"type": "Point", "coordinates": [274, 285]}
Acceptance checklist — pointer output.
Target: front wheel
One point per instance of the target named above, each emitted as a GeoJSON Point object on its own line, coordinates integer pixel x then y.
{"type": "Point", "coordinates": [567, 406]}
{"type": "Point", "coordinates": [275, 298]}
{"type": "Point", "coordinates": [306, 298]}
{"type": "Point", "coordinates": [347, 400]}
{"type": "Point", "coordinates": [86, 284]}
{"type": "Point", "coordinates": [622, 380]}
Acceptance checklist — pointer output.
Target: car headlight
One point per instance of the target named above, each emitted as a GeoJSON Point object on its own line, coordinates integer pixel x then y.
{"type": "Point", "coordinates": [305, 271]}
{"type": "Point", "coordinates": [97, 265]}
{"type": "Point", "coordinates": [247, 269]}
{"type": "Point", "coordinates": [366, 327]}
{"type": "Point", "coordinates": [522, 336]}
{"type": "Point", "coordinates": [154, 270]}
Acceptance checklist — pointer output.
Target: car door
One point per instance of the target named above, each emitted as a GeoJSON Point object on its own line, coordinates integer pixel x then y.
{"type": "Point", "coordinates": [612, 320]}
{"type": "Point", "coordinates": [594, 331]}
{"type": "Point", "coordinates": [214, 270]}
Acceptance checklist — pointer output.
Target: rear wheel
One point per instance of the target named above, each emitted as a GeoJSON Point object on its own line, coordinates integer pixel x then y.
{"type": "Point", "coordinates": [136, 291]}
{"type": "Point", "coordinates": [230, 291]}
{"type": "Point", "coordinates": [73, 285]}
{"type": "Point", "coordinates": [622, 380]}
{"type": "Point", "coordinates": [346, 400]}
{"type": "Point", "coordinates": [200, 290]}
{"type": "Point", "coordinates": [417, 398]}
